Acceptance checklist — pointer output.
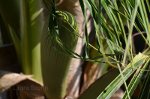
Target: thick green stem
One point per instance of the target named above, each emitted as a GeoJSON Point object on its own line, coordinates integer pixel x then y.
{"type": "Point", "coordinates": [31, 29]}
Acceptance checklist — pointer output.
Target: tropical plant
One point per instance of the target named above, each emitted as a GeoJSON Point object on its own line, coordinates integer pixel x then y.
{"type": "Point", "coordinates": [40, 31]}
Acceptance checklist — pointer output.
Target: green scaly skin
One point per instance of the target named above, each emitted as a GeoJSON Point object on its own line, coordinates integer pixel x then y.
{"type": "Point", "coordinates": [55, 60]}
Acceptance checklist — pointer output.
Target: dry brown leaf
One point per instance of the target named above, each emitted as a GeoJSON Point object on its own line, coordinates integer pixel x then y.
{"type": "Point", "coordinates": [19, 86]}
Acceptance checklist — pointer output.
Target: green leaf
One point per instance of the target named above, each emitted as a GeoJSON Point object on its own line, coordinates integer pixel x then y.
{"type": "Point", "coordinates": [137, 61]}
{"type": "Point", "coordinates": [108, 84]}
{"type": "Point", "coordinates": [99, 85]}
{"type": "Point", "coordinates": [136, 79]}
